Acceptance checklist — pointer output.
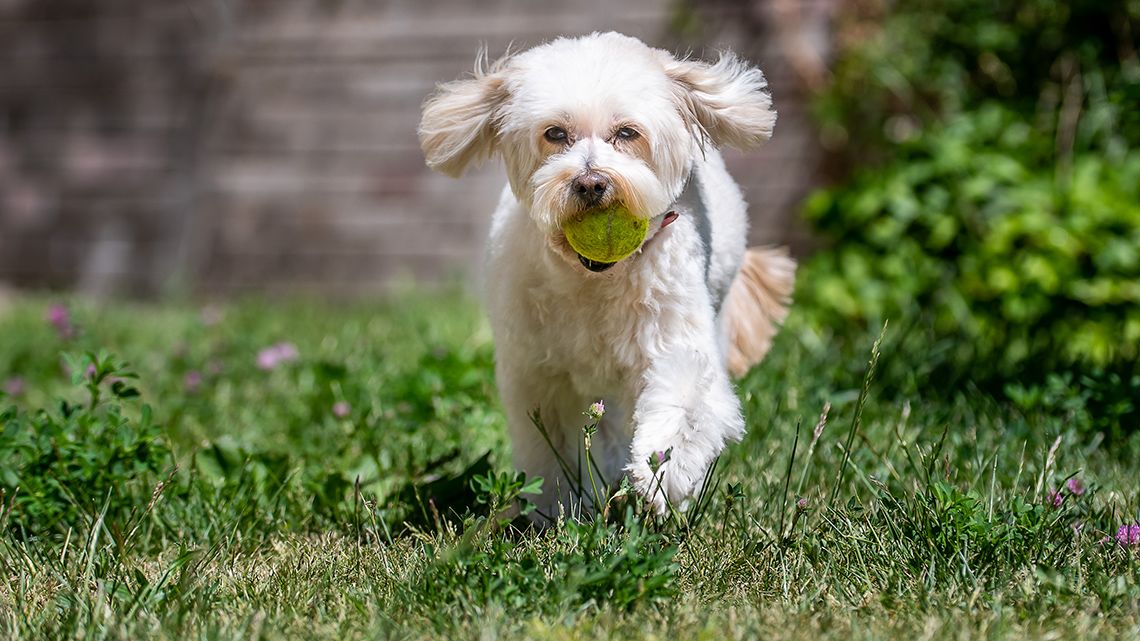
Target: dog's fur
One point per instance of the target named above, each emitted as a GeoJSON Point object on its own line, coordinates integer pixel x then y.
{"type": "Point", "coordinates": [656, 334]}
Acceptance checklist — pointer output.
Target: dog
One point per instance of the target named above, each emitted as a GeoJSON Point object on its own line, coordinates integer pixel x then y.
{"type": "Point", "coordinates": [584, 123]}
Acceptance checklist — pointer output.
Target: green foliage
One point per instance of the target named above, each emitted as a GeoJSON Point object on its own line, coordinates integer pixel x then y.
{"type": "Point", "coordinates": [574, 567]}
{"type": "Point", "coordinates": [1018, 271]}
{"type": "Point", "coordinates": [289, 518]}
{"type": "Point", "coordinates": [905, 64]}
{"type": "Point", "coordinates": [500, 490]}
{"type": "Point", "coordinates": [68, 466]}
{"type": "Point", "coordinates": [995, 215]}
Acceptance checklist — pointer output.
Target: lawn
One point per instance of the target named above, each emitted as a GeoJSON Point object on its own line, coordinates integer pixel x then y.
{"type": "Point", "coordinates": [309, 471]}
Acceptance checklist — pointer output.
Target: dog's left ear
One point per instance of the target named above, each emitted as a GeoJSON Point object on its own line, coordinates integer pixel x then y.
{"type": "Point", "coordinates": [727, 101]}
{"type": "Point", "coordinates": [457, 128]}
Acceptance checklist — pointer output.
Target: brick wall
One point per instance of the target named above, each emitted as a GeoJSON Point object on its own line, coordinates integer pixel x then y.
{"type": "Point", "coordinates": [270, 146]}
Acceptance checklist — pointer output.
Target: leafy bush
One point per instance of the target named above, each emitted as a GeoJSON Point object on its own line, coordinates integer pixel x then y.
{"type": "Point", "coordinates": [996, 210]}
{"type": "Point", "coordinates": [904, 64]}
{"type": "Point", "coordinates": [1019, 270]}
{"type": "Point", "coordinates": [97, 459]}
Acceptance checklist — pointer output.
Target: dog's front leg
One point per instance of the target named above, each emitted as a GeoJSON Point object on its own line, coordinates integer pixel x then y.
{"type": "Point", "coordinates": [683, 416]}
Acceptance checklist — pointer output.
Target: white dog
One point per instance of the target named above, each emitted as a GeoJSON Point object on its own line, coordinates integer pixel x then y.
{"type": "Point", "coordinates": [584, 123]}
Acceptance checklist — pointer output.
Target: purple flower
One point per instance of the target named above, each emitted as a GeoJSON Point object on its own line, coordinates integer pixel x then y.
{"type": "Point", "coordinates": [14, 386]}
{"type": "Point", "coordinates": [801, 504]}
{"type": "Point", "coordinates": [274, 355]}
{"type": "Point", "coordinates": [287, 352]}
{"type": "Point", "coordinates": [657, 459]}
{"type": "Point", "coordinates": [91, 371]}
{"type": "Point", "coordinates": [1128, 535]}
{"type": "Point", "coordinates": [1054, 498]}
{"type": "Point", "coordinates": [192, 381]}
{"type": "Point", "coordinates": [340, 409]}
{"type": "Point", "coordinates": [1075, 486]}
{"type": "Point", "coordinates": [597, 410]}
{"type": "Point", "coordinates": [60, 318]}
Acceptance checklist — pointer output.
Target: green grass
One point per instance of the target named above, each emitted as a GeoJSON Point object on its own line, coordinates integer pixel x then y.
{"type": "Point", "coordinates": [227, 501]}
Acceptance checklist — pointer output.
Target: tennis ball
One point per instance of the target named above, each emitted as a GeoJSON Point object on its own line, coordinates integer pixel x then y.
{"type": "Point", "coordinates": [606, 235]}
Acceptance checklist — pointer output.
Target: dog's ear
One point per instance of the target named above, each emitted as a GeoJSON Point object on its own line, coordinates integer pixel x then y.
{"type": "Point", "coordinates": [728, 102]}
{"type": "Point", "coordinates": [457, 129]}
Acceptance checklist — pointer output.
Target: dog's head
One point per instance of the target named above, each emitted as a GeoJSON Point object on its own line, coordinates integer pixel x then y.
{"type": "Point", "coordinates": [586, 122]}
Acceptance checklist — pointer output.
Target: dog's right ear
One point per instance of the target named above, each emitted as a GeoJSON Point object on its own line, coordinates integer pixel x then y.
{"type": "Point", "coordinates": [457, 129]}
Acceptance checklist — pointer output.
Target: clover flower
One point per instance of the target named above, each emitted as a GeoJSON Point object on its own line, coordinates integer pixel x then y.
{"type": "Point", "coordinates": [1128, 535]}
{"type": "Point", "coordinates": [192, 381]}
{"type": "Point", "coordinates": [60, 318]}
{"type": "Point", "coordinates": [274, 355]}
{"type": "Point", "coordinates": [341, 409]}
{"type": "Point", "coordinates": [1054, 498]}
{"type": "Point", "coordinates": [1075, 486]}
{"type": "Point", "coordinates": [657, 459]}
{"type": "Point", "coordinates": [596, 411]}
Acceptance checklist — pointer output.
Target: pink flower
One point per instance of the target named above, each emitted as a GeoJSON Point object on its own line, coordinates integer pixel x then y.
{"type": "Point", "coordinates": [657, 459]}
{"type": "Point", "coordinates": [1054, 498]}
{"type": "Point", "coordinates": [60, 318]}
{"type": "Point", "coordinates": [340, 409]}
{"type": "Point", "coordinates": [801, 504]}
{"type": "Point", "coordinates": [192, 381]}
{"type": "Point", "coordinates": [14, 386]}
{"type": "Point", "coordinates": [1075, 486]}
{"type": "Point", "coordinates": [267, 358]}
{"type": "Point", "coordinates": [274, 355]}
{"type": "Point", "coordinates": [597, 410]}
{"type": "Point", "coordinates": [1128, 535]}
{"type": "Point", "coordinates": [287, 352]}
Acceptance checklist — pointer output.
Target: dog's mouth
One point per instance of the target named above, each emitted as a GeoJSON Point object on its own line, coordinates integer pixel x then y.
{"type": "Point", "coordinates": [594, 265]}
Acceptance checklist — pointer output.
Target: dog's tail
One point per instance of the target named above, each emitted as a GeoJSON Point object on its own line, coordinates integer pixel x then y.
{"type": "Point", "coordinates": [756, 304]}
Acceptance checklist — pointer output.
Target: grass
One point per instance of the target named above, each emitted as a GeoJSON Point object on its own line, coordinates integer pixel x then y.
{"type": "Point", "coordinates": [349, 487]}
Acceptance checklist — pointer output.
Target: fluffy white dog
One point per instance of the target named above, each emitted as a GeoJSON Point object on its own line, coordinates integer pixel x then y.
{"type": "Point", "coordinates": [584, 123]}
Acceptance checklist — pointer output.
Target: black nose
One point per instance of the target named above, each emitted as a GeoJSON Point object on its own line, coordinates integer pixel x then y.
{"type": "Point", "coordinates": [590, 186]}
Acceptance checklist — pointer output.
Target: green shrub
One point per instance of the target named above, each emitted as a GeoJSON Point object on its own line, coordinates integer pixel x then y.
{"type": "Point", "coordinates": [995, 213]}
{"type": "Point", "coordinates": [905, 64]}
{"type": "Point", "coordinates": [1019, 269]}
{"type": "Point", "coordinates": [100, 458]}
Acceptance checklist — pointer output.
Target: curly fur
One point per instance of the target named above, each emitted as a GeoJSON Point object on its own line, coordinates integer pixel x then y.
{"type": "Point", "coordinates": [656, 334]}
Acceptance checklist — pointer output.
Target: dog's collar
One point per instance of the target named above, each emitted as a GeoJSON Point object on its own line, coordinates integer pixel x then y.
{"type": "Point", "coordinates": [661, 221]}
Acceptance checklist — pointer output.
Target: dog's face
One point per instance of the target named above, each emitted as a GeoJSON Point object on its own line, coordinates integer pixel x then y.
{"type": "Point", "coordinates": [583, 123]}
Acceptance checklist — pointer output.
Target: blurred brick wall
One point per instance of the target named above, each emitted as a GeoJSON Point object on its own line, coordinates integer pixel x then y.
{"type": "Point", "coordinates": [270, 145]}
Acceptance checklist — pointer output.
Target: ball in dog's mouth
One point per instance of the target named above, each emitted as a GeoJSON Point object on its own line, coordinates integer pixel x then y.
{"type": "Point", "coordinates": [604, 236]}
{"type": "Point", "coordinates": [593, 265]}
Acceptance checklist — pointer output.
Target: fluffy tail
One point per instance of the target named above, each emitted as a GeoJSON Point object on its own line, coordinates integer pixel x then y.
{"type": "Point", "coordinates": [756, 304]}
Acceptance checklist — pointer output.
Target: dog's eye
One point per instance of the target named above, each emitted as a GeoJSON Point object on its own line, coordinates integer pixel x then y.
{"type": "Point", "coordinates": [626, 133]}
{"type": "Point", "coordinates": [555, 134]}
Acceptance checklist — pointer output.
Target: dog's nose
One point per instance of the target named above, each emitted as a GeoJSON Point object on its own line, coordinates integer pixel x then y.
{"type": "Point", "coordinates": [590, 186]}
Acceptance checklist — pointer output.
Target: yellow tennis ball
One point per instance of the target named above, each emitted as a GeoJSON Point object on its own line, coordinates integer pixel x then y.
{"type": "Point", "coordinates": [606, 235]}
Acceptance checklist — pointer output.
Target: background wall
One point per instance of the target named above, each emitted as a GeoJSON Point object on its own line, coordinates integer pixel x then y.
{"type": "Point", "coordinates": [231, 146]}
